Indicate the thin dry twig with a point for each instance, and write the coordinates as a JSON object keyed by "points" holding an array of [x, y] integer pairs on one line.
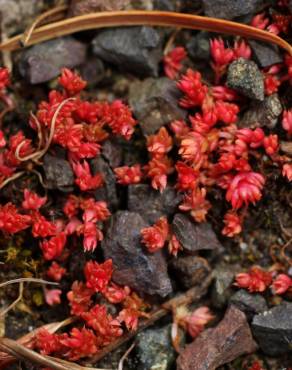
{"points": [[17, 350], [125, 355], [57, 11], [143, 17], [40, 153], [27, 280], [22, 353], [11, 178], [14, 303], [192, 295], [283, 252], [28, 339]]}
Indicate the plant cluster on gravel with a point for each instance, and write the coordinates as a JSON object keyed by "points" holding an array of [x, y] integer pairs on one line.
{"points": [[207, 151]]}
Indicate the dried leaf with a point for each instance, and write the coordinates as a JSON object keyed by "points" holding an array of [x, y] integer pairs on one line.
{"points": [[143, 17]]}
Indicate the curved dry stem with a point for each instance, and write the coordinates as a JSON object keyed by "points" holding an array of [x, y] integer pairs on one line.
{"points": [[41, 180], [40, 153], [39, 129], [27, 280], [11, 178], [40, 19], [143, 17], [13, 304], [125, 355], [53, 124], [22, 353], [283, 252], [24, 159]]}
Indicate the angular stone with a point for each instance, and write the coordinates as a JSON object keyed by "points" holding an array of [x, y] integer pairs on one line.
{"points": [[92, 71], [58, 173], [152, 204], [264, 113], [190, 270], [112, 152], [155, 103], [169, 5], [134, 266], [133, 49], [229, 9], [266, 54], [193, 236], [42, 62], [16, 15], [222, 287], [190, 6], [154, 349], [79, 7], [230, 339], [245, 77], [250, 304], [199, 46], [273, 329], [108, 191]]}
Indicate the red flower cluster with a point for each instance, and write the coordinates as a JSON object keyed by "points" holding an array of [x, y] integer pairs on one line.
{"points": [[4, 79], [223, 56], [193, 322], [215, 152], [93, 213], [100, 328], [11, 221], [160, 165], [55, 271], [256, 366], [173, 62], [258, 280], [128, 175], [281, 284], [155, 237]]}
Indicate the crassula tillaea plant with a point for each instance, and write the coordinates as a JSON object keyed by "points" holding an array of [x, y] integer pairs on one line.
{"points": [[207, 151]]}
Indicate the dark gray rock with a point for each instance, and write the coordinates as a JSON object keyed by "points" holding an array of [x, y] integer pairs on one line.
{"points": [[273, 330], [155, 103], [112, 152], [135, 152], [229, 9], [42, 62], [154, 349], [245, 77], [169, 5], [264, 113], [190, 6], [79, 7], [133, 49], [193, 236], [250, 304], [108, 191], [198, 46], [134, 266], [150, 203], [266, 54], [92, 71], [16, 15], [58, 173], [214, 347], [190, 270], [222, 287]]}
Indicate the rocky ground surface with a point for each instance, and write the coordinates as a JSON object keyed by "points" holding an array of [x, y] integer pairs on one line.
{"points": [[126, 63]]}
